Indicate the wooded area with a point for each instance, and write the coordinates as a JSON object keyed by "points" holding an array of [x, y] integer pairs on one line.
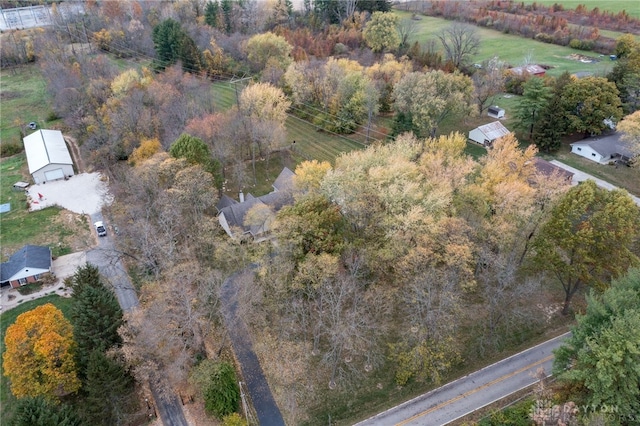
{"points": [[395, 265]]}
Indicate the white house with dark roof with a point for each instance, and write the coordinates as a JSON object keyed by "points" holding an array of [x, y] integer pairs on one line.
{"points": [[232, 214], [47, 156], [603, 149], [25, 266], [486, 134]]}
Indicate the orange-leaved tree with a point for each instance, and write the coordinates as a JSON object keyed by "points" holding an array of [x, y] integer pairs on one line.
{"points": [[39, 356]]}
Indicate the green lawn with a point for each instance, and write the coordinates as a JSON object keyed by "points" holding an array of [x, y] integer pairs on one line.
{"points": [[514, 49], [24, 99], [7, 400]]}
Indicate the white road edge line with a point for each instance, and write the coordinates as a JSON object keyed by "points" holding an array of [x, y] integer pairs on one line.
{"points": [[426, 395]]}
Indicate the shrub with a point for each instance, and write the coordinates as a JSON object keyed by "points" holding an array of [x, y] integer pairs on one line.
{"points": [[543, 37], [219, 386], [581, 44], [7, 149]]}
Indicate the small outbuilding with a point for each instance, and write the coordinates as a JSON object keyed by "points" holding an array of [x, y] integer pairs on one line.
{"points": [[25, 266], [531, 69], [48, 156], [486, 134], [495, 111]]}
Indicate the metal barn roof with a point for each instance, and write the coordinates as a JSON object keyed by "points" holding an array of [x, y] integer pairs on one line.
{"points": [[46, 147]]}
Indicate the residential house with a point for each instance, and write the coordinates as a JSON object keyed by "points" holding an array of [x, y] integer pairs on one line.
{"points": [[25, 266], [48, 156], [603, 149], [488, 133], [548, 169], [233, 214]]}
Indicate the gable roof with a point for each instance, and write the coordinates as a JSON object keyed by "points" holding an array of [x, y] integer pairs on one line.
{"points": [[45, 147], [607, 146], [493, 131], [27, 257], [225, 201], [548, 169], [284, 181], [281, 196]]}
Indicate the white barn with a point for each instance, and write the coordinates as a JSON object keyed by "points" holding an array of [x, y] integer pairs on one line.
{"points": [[486, 134], [47, 156]]}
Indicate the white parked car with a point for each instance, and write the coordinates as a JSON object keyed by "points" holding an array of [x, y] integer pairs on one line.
{"points": [[100, 229]]}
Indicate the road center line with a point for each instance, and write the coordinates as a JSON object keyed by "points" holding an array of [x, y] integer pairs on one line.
{"points": [[471, 392]]}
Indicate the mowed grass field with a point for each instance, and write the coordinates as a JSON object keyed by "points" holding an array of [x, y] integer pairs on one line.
{"points": [[514, 50]]}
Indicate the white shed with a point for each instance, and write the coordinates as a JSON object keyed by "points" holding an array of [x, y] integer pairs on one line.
{"points": [[486, 134], [47, 156], [495, 111]]}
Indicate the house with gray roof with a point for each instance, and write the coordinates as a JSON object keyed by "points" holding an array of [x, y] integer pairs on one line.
{"points": [[25, 266], [233, 215], [47, 156], [603, 149]]}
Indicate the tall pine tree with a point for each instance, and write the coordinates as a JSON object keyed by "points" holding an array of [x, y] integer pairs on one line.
{"points": [[39, 411]]}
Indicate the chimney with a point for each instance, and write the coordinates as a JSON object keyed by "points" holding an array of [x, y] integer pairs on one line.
{"points": [[241, 197]]}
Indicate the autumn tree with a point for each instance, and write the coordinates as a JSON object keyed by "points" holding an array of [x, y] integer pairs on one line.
{"points": [[460, 43], [601, 358], [431, 97], [39, 411], [488, 82], [147, 149], [268, 48], [39, 359], [630, 129], [385, 74], [381, 33], [588, 238], [588, 102], [535, 98]]}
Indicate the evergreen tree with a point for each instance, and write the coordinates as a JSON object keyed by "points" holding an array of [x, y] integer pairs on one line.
{"points": [[95, 314], [373, 6], [227, 10], [107, 391], [39, 411], [167, 37], [211, 13], [535, 99], [552, 124]]}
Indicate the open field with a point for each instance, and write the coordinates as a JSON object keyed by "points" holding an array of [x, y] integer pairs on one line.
{"points": [[630, 6], [514, 49], [24, 99], [7, 400]]}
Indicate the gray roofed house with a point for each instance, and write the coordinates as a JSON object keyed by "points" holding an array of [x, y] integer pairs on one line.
{"points": [[225, 201], [25, 266], [232, 216], [603, 149]]}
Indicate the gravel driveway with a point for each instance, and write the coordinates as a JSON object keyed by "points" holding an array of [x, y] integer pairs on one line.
{"points": [[85, 193]]}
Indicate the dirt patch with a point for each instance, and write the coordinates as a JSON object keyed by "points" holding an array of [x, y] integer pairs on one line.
{"points": [[6, 96], [583, 58]]}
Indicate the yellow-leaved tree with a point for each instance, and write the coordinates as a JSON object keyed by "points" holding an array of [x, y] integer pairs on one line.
{"points": [[39, 359]]}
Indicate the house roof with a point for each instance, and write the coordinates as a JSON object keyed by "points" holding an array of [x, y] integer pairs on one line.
{"points": [[284, 181], [493, 131], [607, 145], [225, 201], [27, 257], [528, 69], [281, 196], [44, 147], [548, 169]]}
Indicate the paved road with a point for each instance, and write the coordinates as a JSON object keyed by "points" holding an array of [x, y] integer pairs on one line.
{"points": [[109, 261], [467, 394], [580, 176], [266, 408]]}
